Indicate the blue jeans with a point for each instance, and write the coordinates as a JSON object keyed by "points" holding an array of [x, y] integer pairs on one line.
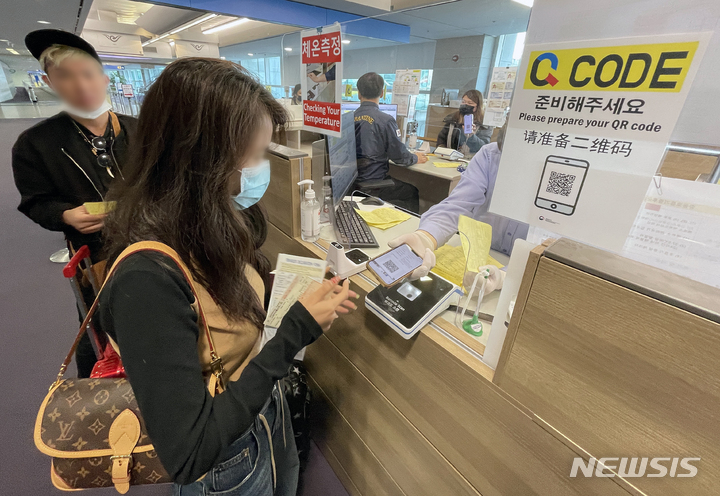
{"points": [[250, 466]]}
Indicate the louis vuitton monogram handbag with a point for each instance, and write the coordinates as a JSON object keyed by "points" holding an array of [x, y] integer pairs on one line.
{"points": [[93, 428]]}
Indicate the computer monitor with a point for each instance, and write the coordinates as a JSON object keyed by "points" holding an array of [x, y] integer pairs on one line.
{"points": [[387, 108], [342, 155]]}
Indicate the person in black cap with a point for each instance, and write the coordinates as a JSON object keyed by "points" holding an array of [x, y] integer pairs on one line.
{"points": [[74, 156]]}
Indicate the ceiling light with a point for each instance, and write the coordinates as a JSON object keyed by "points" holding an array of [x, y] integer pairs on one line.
{"points": [[526, 3], [192, 23], [14, 52], [44, 22], [250, 54], [156, 39], [103, 56], [346, 42], [227, 25], [288, 49]]}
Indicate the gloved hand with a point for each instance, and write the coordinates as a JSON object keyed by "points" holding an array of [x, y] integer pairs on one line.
{"points": [[495, 281], [421, 243]]}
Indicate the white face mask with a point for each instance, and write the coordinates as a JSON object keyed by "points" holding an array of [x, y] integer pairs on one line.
{"points": [[84, 114]]}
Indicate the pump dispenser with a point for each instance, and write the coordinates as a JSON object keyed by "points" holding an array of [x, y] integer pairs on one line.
{"points": [[309, 214]]}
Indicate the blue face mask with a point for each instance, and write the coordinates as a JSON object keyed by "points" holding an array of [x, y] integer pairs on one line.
{"points": [[253, 184]]}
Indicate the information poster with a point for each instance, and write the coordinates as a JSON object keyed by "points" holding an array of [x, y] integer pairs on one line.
{"points": [[589, 124], [321, 62], [498, 98], [678, 229], [407, 82]]}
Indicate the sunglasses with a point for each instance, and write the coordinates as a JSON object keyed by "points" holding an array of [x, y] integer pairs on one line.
{"points": [[100, 144]]}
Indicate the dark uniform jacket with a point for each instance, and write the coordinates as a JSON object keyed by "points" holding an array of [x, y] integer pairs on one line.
{"points": [[377, 139], [55, 170]]}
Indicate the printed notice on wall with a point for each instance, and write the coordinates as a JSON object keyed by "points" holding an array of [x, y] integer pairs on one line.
{"points": [[498, 98], [407, 83], [321, 62], [678, 229], [589, 124]]}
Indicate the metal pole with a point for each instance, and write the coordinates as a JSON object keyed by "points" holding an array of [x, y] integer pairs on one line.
{"points": [[715, 174]]}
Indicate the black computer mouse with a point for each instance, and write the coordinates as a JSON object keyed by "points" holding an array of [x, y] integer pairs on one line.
{"points": [[372, 200]]}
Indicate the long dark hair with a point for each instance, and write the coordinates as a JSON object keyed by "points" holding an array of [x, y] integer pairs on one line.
{"points": [[196, 124], [476, 97]]}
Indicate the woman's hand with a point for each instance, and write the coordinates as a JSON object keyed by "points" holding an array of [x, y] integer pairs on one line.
{"points": [[329, 300]]}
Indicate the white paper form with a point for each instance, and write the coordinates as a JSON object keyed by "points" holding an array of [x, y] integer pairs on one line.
{"points": [[678, 229], [293, 277]]}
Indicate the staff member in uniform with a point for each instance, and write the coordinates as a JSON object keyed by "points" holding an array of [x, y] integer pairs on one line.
{"points": [[471, 197], [452, 134], [377, 139], [74, 156]]}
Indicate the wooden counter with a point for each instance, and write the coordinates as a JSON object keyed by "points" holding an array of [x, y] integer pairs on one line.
{"points": [[422, 416], [604, 357]]}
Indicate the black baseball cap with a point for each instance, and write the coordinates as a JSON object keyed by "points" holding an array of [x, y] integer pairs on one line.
{"points": [[42, 39]]}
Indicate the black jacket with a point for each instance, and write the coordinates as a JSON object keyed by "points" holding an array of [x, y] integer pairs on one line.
{"points": [[377, 139], [55, 170], [475, 141]]}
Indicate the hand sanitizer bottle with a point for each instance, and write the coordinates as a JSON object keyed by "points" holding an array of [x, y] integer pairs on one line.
{"points": [[327, 202], [309, 214]]}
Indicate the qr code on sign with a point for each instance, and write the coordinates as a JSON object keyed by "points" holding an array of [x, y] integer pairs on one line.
{"points": [[560, 184], [390, 266]]}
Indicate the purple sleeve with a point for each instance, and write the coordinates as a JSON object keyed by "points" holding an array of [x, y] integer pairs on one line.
{"points": [[442, 219]]}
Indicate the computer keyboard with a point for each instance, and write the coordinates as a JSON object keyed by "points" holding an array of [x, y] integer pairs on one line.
{"points": [[350, 224]]}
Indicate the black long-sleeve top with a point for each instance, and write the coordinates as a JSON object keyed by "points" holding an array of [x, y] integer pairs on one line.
{"points": [[146, 308]]}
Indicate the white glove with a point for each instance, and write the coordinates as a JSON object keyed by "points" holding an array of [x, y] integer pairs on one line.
{"points": [[495, 281], [421, 243]]}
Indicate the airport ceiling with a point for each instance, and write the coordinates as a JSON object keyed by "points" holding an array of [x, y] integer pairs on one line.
{"points": [[443, 19]]}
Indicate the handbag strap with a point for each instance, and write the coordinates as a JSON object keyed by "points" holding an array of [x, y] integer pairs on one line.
{"points": [[216, 364]]}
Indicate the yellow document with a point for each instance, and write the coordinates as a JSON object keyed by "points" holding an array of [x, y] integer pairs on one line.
{"points": [[383, 218], [476, 241], [446, 165], [97, 208], [450, 263]]}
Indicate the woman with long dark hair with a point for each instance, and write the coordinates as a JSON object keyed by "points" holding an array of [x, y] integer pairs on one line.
{"points": [[453, 136], [197, 173]]}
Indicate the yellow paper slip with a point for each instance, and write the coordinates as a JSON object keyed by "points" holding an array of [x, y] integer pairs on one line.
{"points": [[446, 165], [97, 208], [383, 218], [476, 238], [450, 263]]}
